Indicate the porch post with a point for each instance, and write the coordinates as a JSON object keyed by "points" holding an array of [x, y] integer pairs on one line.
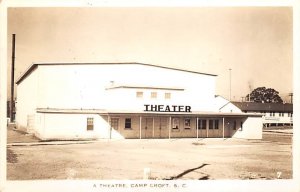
{"points": [[223, 126], [140, 127], [197, 127], [207, 127], [109, 126], [170, 124], [153, 128]]}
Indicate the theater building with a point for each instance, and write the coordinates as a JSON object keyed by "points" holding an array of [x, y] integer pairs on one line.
{"points": [[62, 101]]}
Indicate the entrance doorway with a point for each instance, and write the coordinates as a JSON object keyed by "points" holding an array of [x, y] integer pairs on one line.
{"points": [[147, 128], [161, 127]]}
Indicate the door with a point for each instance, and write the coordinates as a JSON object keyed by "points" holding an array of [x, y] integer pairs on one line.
{"points": [[214, 128], [147, 128], [161, 127], [202, 126]]}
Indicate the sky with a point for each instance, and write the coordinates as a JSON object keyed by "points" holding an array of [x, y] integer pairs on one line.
{"points": [[254, 42]]}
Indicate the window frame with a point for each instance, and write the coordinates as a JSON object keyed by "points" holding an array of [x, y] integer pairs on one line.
{"points": [[234, 125], [187, 123], [153, 95], [175, 123], [202, 124], [139, 94], [211, 124], [128, 123], [216, 124], [90, 123], [167, 95]]}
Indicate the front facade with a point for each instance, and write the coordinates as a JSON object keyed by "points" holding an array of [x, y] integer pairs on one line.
{"points": [[125, 100]]}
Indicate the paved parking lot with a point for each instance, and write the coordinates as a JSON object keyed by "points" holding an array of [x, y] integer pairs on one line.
{"points": [[199, 159]]}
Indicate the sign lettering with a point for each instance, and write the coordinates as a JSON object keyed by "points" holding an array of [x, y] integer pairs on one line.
{"points": [[167, 108]]}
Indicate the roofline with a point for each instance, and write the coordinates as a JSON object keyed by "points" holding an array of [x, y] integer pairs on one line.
{"points": [[284, 109], [143, 113], [145, 87], [34, 65]]}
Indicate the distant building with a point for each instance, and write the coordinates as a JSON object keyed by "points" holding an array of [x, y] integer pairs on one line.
{"points": [[126, 100], [273, 114]]}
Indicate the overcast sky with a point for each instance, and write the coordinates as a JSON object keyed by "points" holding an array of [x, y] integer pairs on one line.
{"points": [[255, 42]]}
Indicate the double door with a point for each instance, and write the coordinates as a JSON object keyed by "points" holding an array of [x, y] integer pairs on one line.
{"points": [[155, 127], [209, 128]]}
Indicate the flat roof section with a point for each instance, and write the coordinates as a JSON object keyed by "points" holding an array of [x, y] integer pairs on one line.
{"points": [[144, 113]]}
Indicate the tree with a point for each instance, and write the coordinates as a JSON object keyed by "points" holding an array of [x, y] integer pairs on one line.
{"points": [[264, 95]]}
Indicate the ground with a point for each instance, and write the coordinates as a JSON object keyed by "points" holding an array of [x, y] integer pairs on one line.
{"points": [[200, 159]]}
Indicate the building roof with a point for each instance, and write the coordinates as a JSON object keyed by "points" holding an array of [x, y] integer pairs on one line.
{"points": [[35, 65], [144, 113], [144, 87], [264, 107]]}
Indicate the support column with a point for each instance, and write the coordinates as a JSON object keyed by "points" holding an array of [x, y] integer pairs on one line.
{"points": [[207, 127], [223, 127], [153, 128], [109, 126], [140, 127], [197, 130], [170, 124]]}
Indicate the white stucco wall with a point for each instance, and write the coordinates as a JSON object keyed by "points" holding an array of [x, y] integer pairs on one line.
{"points": [[84, 86], [251, 129], [27, 99], [72, 126]]}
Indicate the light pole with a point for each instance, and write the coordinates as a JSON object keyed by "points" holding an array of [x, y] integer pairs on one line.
{"points": [[229, 84]]}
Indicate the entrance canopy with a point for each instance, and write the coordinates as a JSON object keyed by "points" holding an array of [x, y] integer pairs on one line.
{"points": [[146, 113]]}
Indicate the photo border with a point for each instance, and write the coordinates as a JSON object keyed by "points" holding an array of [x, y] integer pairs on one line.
{"points": [[209, 185]]}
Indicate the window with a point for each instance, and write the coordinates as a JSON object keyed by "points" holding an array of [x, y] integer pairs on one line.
{"points": [[290, 114], [167, 95], [211, 124], [139, 94], [153, 95], [175, 123], [234, 125], [90, 124], [127, 123], [187, 123], [114, 123], [216, 124], [201, 123]]}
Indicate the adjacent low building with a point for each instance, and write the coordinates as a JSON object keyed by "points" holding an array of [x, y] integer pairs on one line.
{"points": [[126, 100], [273, 114]]}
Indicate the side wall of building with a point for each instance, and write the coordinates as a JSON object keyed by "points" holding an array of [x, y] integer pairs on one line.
{"points": [[63, 126], [249, 128], [27, 99]]}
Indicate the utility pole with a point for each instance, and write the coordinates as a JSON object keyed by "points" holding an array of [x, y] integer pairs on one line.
{"points": [[229, 84], [12, 102]]}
